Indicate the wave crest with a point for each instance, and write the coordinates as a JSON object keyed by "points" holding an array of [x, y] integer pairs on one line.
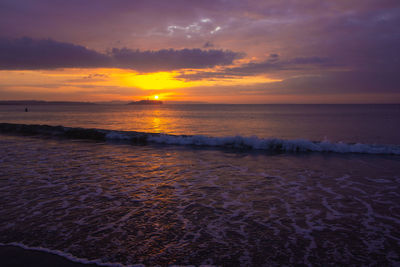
{"points": [[234, 142], [275, 144]]}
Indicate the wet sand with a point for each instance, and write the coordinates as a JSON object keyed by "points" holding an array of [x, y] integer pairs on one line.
{"points": [[11, 256]]}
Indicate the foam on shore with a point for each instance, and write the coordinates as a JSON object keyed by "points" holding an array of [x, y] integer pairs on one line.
{"points": [[65, 255], [231, 142]]}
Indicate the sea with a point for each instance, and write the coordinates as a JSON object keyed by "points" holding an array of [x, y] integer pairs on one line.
{"points": [[204, 184]]}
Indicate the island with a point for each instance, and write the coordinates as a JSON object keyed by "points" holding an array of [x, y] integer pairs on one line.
{"points": [[146, 102]]}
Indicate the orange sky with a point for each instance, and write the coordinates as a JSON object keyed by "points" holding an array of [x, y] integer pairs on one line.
{"points": [[210, 51], [118, 84], [125, 85]]}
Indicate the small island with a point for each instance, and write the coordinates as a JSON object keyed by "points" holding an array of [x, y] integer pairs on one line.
{"points": [[146, 102]]}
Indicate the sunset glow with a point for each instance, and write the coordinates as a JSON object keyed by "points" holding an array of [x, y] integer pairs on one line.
{"points": [[212, 54], [199, 132], [154, 81]]}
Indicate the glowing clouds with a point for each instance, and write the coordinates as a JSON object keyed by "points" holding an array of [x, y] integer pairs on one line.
{"points": [[154, 81]]}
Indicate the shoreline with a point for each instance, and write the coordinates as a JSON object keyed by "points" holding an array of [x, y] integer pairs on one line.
{"points": [[16, 255]]}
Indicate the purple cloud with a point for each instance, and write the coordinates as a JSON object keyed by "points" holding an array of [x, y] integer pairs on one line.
{"points": [[274, 64], [270, 66], [27, 53], [168, 59]]}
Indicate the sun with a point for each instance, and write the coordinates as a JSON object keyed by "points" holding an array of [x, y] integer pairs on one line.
{"points": [[156, 97]]}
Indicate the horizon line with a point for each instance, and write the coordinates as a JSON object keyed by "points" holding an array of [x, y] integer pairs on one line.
{"points": [[171, 102]]}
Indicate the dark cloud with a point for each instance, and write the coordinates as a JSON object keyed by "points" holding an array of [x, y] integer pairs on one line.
{"points": [[270, 66], [276, 56], [168, 59], [27, 53], [208, 44], [273, 64], [337, 82], [94, 77]]}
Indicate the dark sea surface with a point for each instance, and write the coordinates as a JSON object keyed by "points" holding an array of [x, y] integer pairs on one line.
{"points": [[347, 123], [330, 195]]}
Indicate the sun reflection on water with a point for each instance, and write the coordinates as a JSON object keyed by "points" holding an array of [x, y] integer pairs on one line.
{"points": [[158, 121]]}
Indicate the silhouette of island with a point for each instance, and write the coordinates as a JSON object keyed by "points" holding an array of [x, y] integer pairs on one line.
{"points": [[146, 102]]}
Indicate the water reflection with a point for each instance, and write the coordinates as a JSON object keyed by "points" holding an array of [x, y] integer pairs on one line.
{"points": [[148, 119], [156, 124], [159, 122]]}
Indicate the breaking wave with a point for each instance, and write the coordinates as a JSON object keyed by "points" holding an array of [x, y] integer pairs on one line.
{"points": [[232, 142]]}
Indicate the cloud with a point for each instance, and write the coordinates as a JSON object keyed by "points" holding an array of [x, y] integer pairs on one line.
{"points": [[208, 44], [341, 44], [271, 65], [169, 59], [339, 83], [204, 26], [335, 82], [26, 53]]}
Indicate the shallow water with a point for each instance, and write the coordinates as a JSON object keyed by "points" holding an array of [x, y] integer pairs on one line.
{"points": [[183, 205]]}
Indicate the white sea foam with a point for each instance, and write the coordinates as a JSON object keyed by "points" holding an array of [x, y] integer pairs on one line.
{"points": [[256, 143], [113, 135], [274, 144], [235, 142]]}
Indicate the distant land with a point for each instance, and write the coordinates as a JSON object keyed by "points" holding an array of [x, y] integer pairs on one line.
{"points": [[112, 102], [146, 102]]}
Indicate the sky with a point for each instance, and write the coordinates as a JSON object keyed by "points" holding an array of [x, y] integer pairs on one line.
{"points": [[216, 51]]}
